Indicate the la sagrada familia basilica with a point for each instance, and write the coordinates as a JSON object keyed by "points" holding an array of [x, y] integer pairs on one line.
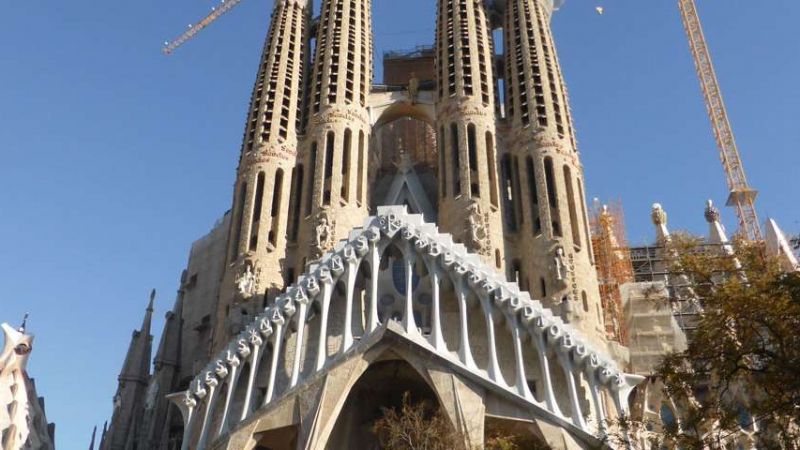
{"points": [[429, 235]]}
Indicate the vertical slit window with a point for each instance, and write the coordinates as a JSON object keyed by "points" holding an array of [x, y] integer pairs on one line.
{"points": [[277, 194], [238, 222], [295, 196], [552, 195], [533, 193], [329, 146], [312, 169], [490, 161], [257, 206], [348, 140], [442, 165], [573, 210], [454, 154], [515, 178], [472, 147], [549, 178], [360, 175], [508, 193], [582, 196]]}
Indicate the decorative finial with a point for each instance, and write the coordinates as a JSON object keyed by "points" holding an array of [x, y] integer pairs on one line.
{"points": [[152, 300], [24, 325], [712, 213], [658, 215]]}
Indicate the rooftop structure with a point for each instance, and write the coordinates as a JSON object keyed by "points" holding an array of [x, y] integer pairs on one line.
{"points": [[23, 423]]}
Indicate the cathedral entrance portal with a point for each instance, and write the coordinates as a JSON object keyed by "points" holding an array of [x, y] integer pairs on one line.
{"points": [[382, 386]]}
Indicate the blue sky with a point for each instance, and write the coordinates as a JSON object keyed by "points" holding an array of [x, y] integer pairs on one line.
{"points": [[115, 157]]}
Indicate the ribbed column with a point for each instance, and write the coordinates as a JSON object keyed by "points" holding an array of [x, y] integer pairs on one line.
{"points": [[543, 183], [469, 206], [335, 155], [261, 203]]}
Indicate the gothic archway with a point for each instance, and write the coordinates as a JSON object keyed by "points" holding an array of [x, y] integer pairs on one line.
{"points": [[383, 385], [404, 161]]}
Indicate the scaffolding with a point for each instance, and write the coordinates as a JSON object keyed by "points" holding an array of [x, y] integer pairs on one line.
{"points": [[613, 262]]}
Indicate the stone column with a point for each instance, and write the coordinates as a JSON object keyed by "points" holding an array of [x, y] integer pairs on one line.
{"points": [[545, 199], [336, 143], [260, 213], [469, 205]]}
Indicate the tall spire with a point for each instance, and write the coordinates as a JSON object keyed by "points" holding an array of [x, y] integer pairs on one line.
{"points": [[132, 387], [469, 205], [94, 436], [544, 197], [716, 231], [148, 315], [23, 327], [257, 248], [165, 376], [338, 132], [778, 246]]}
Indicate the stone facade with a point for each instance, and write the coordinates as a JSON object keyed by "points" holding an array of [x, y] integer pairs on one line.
{"points": [[257, 251], [547, 226], [311, 301], [469, 207]]}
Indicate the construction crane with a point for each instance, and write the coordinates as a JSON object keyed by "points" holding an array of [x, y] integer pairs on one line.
{"points": [[742, 196], [216, 13]]}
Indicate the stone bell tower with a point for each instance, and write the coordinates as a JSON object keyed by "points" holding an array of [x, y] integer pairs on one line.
{"points": [[338, 130], [257, 249], [548, 232], [469, 205]]}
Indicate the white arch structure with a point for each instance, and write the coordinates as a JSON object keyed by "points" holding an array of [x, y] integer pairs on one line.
{"points": [[208, 406]]}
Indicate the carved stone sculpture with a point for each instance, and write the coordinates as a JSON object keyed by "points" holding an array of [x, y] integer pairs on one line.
{"points": [[477, 230], [247, 283], [324, 234], [562, 268]]}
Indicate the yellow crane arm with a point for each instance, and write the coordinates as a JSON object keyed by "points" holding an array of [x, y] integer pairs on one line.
{"points": [[742, 197], [215, 14]]}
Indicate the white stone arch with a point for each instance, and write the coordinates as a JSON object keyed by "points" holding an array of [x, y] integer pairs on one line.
{"points": [[387, 107], [559, 346]]}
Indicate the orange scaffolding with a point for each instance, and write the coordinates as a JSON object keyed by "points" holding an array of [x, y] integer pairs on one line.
{"points": [[613, 263]]}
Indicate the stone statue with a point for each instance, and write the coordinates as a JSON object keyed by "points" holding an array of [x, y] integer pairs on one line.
{"points": [[324, 233], [562, 269], [413, 87], [246, 283], [477, 230]]}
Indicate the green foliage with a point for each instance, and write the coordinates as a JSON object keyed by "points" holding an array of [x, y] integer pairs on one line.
{"points": [[419, 426], [499, 441], [742, 367], [423, 426]]}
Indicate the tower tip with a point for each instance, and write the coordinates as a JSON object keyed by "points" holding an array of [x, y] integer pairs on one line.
{"points": [[24, 326], [712, 213], [658, 215]]}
